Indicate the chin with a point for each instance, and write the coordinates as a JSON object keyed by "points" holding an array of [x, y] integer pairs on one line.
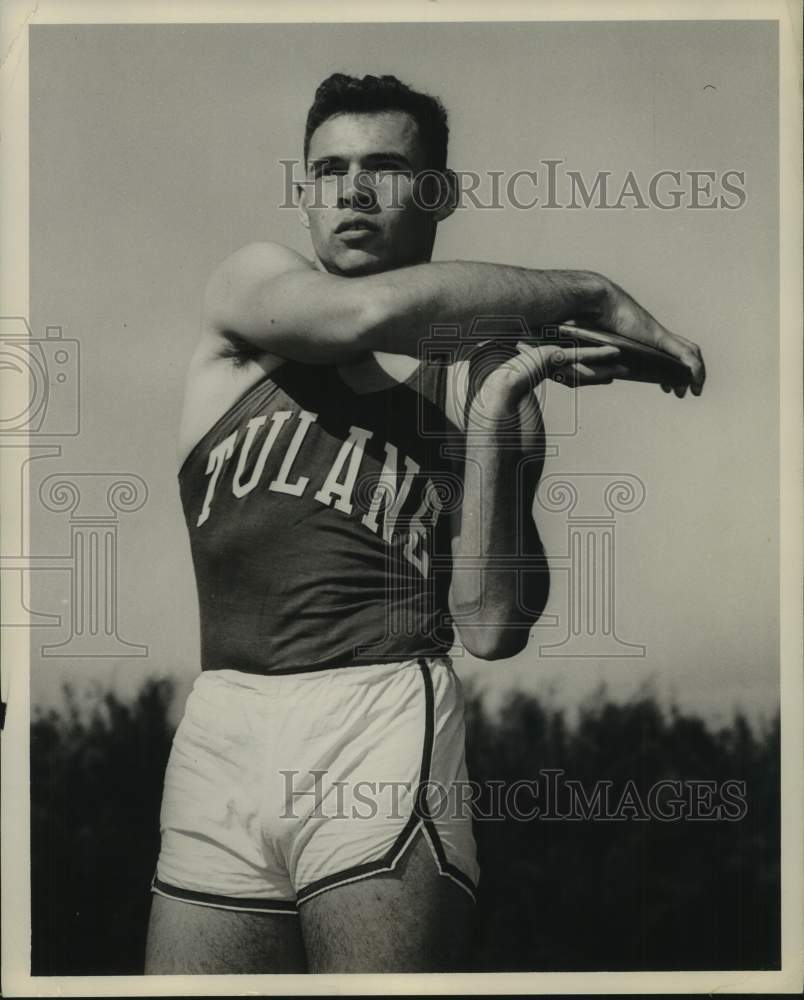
{"points": [[357, 264]]}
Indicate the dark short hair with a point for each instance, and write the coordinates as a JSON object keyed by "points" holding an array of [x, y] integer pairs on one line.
{"points": [[340, 94]]}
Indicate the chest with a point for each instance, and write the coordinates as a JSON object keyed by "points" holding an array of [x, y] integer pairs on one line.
{"points": [[373, 464]]}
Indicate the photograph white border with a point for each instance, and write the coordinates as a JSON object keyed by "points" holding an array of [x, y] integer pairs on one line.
{"points": [[16, 18]]}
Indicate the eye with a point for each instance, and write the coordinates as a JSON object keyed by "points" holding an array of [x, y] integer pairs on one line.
{"points": [[392, 168], [329, 170], [387, 167]]}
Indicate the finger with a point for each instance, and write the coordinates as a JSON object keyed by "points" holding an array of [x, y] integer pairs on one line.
{"points": [[562, 355], [593, 354], [578, 375], [546, 362], [693, 360], [680, 391], [584, 375], [698, 382], [689, 354], [560, 358], [666, 388], [599, 374], [565, 365], [531, 360]]}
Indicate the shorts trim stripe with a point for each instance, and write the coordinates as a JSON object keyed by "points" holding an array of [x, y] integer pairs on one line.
{"points": [[444, 867], [285, 906], [418, 819], [422, 809], [360, 872]]}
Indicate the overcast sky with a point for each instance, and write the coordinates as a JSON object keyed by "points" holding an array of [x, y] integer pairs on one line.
{"points": [[155, 152]]}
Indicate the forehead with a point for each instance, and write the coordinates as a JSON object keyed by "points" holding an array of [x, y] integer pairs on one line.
{"points": [[355, 134]]}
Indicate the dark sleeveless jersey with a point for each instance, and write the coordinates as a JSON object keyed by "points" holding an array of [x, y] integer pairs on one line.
{"points": [[319, 523]]}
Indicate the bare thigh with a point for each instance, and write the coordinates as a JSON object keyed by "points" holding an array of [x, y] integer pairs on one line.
{"points": [[409, 920], [186, 938]]}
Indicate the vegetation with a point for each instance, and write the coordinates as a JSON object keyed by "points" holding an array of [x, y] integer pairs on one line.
{"points": [[556, 895]]}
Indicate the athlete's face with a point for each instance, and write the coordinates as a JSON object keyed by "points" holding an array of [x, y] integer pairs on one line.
{"points": [[361, 203]]}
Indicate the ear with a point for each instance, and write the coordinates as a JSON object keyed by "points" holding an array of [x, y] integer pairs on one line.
{"points": [[449, 202], [301, 205]]}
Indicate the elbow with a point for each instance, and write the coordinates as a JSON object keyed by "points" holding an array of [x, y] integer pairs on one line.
{"points": [[373, 312], [352, 327], [487, 643], [505, 633], [497, 629], [499, 637]]}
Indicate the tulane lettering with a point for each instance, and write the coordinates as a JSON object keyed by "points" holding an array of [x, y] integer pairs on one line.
{"points": [[277, 422], [352, 451], [281, 484], [386, 494], [337, 489], [217, 457], [415, 551]]}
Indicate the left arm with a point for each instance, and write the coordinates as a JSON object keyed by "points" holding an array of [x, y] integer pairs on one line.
{"points": [[494, 599], [500, 578]]}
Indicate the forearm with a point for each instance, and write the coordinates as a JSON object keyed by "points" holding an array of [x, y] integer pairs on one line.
{"points": [[500, 576], [409, 301]]}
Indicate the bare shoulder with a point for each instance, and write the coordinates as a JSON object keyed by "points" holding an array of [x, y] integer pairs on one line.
{"points": [[232, 286], [225, 364], [254, 261], [235, 280]]}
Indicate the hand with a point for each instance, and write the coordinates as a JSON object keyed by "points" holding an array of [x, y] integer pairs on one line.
{"points": [[621, 314], [504, 387]]}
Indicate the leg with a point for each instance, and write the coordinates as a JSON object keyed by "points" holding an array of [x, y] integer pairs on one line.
{"points": [[186, 938], [212, 852], [408, 920]]}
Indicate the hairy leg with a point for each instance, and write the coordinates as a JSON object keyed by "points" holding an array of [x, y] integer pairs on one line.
{"points": [[409, 920], [186, 938]]}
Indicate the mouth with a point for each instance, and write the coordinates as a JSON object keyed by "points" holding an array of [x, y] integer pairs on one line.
{"points": [[355, 227]]}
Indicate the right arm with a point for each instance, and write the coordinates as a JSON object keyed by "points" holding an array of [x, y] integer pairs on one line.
{"points": [[276, 301]]}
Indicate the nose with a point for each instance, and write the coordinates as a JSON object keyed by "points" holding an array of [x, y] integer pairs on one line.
{"points": [[356, 191]]}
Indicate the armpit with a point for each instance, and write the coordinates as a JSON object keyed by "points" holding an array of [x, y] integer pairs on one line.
{"points": [[237, 349]]}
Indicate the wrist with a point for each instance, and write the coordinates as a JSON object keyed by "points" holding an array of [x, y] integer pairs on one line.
{"points": [[492, 412], [597, 296]]}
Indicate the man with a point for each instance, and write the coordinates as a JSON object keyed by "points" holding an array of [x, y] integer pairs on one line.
{"points": [[335, 539]]}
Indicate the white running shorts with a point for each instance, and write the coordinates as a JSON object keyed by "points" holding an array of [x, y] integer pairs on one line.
{"points": [[280, 787]]}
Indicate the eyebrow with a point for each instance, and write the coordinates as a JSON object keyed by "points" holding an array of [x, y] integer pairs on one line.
{"points": [[380, 157]]}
